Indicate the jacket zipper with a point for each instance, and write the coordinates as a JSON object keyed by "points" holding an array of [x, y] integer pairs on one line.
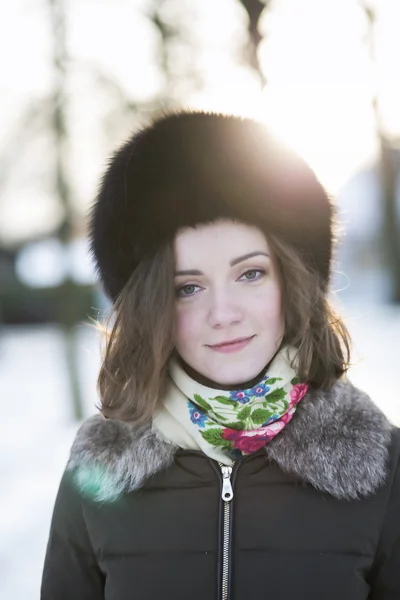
{"points": [[227, 495]]}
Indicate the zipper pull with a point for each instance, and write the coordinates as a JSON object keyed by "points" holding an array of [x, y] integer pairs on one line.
{"points": [[227, 491]]}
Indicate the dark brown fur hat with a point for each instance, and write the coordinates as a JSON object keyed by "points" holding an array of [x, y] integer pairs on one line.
{"points": [[187, 168]]}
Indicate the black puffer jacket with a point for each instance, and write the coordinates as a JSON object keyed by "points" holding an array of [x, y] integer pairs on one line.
{"points": [[315, 515]]}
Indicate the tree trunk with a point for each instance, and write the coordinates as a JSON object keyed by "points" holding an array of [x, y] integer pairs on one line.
{"points": [[68, 299], [388, 170], [254, 10]]}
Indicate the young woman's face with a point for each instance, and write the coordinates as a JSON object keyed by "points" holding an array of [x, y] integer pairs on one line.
{"points": [[227, 289]]}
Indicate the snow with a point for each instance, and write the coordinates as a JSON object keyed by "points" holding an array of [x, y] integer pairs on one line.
{"points": [[37, 429], [37, 425]]}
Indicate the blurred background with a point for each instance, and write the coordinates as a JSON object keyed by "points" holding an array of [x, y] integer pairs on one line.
{"points": [[76, 76]]}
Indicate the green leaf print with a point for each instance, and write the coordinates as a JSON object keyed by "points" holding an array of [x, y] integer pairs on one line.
{"points": [[244, 413], [227, 401], [295, 381], [214, 437], [273, 380], [218, 416], [259, 416], [201, 402], [278, 394], [238, 425]]}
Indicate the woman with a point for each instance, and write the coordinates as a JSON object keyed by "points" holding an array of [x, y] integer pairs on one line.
{"points": [[232, 458]]}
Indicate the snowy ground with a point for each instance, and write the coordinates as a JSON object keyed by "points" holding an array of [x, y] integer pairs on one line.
{"points": [[37, 427]]}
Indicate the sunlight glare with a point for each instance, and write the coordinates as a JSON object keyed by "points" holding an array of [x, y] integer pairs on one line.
{"points": [[318, 96]]}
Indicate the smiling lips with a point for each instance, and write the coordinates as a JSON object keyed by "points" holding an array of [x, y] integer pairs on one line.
{"points": [[233, 346]]}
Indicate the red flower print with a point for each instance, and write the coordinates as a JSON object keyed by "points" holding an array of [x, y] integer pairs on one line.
{"points": [[298, 392], [247, 441]]}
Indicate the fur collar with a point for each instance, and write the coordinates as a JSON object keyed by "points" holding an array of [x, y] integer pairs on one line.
{"points": [[337, 441]]}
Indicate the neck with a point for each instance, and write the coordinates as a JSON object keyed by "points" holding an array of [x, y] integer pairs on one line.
{"points": [[219, 386]]}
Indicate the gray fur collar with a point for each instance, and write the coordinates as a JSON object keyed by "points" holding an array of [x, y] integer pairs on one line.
{"points": [[337, 441]]}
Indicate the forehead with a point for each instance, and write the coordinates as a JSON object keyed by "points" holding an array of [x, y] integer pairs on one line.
{"points": [[220, 240]]}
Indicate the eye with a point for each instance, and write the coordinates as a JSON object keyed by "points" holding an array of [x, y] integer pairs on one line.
{"points": [[253, 274], [186, 290]]}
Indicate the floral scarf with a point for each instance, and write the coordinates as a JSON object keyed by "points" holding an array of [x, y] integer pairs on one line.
{"points": [[228, 424]]}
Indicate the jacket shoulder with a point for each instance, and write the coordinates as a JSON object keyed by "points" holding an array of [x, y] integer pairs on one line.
{"points": [[394, 452], [385, 578], [109, 457], [339, 441]]}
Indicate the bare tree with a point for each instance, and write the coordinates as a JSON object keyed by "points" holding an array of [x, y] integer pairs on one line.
{"points": [[254, 10], [68, 292], [389, 153]]}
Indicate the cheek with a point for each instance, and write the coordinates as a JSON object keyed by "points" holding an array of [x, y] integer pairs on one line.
{"points": [[267, 308], [187, 326]]}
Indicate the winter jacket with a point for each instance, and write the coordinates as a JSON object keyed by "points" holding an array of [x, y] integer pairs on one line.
{"points": [[315, 515]]}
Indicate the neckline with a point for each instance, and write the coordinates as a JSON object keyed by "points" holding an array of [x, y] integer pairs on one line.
{"points": [[199, 379]]}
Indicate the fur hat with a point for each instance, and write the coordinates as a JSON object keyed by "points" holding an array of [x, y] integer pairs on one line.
{"points": [[187, 168]]}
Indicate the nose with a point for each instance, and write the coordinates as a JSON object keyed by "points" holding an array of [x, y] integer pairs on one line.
{"points": [[224, 310]]}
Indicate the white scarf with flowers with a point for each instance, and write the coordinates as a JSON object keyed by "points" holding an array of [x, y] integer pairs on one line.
{"points": [[228, 424]]}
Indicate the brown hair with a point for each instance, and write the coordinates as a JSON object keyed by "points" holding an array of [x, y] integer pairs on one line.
{"points": [[311, 323], [140, 341], [132, 377]]}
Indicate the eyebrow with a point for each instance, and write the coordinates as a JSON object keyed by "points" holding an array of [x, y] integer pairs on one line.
{"points": [[232, 263]]}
